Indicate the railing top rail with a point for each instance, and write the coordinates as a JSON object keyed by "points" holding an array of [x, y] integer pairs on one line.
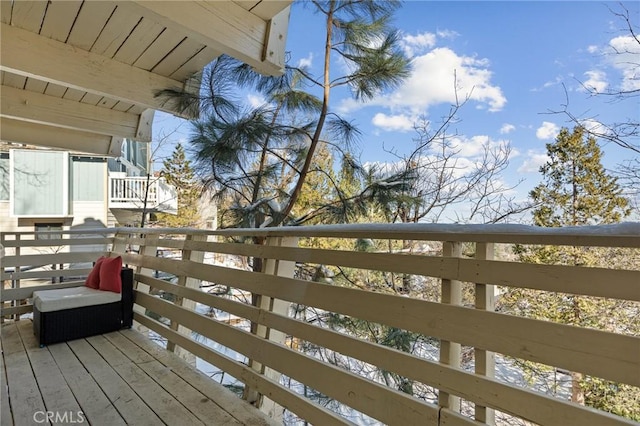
{"points": [[618, 235]]}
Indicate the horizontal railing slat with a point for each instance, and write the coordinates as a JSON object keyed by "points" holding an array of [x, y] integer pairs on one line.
{"points": [[614, 358], [57, 242], [616, 235], [282, 395], [598, 282], [27, 292], [384, 404], [520, 402], [22, 309], [52, 258], [49, 273]]}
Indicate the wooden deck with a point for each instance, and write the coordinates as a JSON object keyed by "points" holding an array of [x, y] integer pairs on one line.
{"points": [[115, 379]]}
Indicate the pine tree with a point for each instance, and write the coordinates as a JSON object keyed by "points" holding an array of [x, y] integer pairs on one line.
{"points": [[177, 172], [575, 190], [260, 157]]}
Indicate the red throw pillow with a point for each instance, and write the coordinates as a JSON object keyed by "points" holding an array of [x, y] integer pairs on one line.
{"points": [[93, 280], [110, 279]]}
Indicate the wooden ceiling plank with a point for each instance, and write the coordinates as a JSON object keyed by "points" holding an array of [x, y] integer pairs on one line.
{"points": [[135, 109], [14, 80], [59, 19], [91, 98], [91, 20], [223, 26], [116, 31], [5, 11], [246, 4], [55, 90], [28, 14], [165, 42], [56, 137], [122, 106], [267, 9], [73, 94], [34, 85], [38, 108], [107, 102], [81, 70], [195, 64], [174, 60], [139, 40]]}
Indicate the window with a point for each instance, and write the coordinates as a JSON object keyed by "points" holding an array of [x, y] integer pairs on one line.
{"points": [[88, 177], [4, 176], [41, 227], [39, 186]]}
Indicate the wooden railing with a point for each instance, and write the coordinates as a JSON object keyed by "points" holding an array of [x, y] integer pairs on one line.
{"points": [[280, 348]]}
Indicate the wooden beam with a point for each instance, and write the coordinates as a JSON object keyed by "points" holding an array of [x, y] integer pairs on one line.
{"points": [[58, 137], [225, 27], [30, 55], [145, 121], [42, 109]]}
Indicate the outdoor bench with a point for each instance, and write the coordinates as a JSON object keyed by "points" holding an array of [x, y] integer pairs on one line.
{"points": [[76, 312]]}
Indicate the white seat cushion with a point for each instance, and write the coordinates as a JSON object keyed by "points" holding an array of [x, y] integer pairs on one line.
{"points": [[72, 297]]}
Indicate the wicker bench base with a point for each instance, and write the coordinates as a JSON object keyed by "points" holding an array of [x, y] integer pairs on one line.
{"points": [[69, 324]]}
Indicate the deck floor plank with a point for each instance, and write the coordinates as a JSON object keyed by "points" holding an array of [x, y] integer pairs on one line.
{"points": [[57, 396], [200, 405], [116, 379], [24, 388], [94, 403], [242, 411], [160, 401], [130, 406], [5, 409]]}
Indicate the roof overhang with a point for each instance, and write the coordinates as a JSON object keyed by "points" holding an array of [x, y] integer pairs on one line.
{"points": [[83, 75]]}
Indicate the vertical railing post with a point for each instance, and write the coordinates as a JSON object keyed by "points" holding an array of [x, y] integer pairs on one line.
{"points": [[450, 351], [3, 304], [485, 361], [282, 269], [148, 247], [17, 269], [185, 281]]}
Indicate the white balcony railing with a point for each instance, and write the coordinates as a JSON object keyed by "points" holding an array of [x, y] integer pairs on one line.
{"points": [[129, 193]]}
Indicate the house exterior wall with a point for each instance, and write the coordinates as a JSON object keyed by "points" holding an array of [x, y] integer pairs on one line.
{"points": [[49, 180]]}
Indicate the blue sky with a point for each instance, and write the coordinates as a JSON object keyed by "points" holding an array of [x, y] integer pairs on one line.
{"points": [[514, 58]]}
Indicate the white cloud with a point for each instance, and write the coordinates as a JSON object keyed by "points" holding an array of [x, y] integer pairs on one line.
{"points": [[592, 125], [256, 101], [533, 162], [592, 49], [434, 80], [469, 147], [507, 128], [400, 122], [558, 80], [597, 81], [624, 56], [547, 131], [413, 44], [450, 34], [306, 62]]}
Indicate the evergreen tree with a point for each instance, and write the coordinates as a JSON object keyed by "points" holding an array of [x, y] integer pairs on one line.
{"points": [[576, 190], [177, 172], [260, 157]]}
